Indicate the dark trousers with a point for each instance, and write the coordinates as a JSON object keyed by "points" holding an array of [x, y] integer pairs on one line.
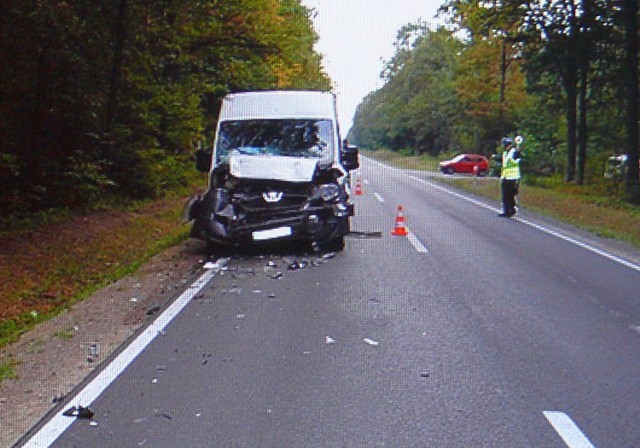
{"points": [[509, 190]]}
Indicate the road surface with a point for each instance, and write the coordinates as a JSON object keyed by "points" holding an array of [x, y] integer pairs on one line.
{"points": [[473, 331]]}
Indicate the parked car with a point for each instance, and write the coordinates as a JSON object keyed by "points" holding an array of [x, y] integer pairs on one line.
{"points": [[466, 163]]}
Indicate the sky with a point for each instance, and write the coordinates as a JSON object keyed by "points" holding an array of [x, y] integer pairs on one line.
{"points": [[355, 37]]}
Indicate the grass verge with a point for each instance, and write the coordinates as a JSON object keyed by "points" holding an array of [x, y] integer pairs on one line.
{"points": [[45, 270]]}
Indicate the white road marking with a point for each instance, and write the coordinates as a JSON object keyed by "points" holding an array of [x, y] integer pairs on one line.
{"points": [[379, 198], [415, 242], [539, 227], [567, 429], [59, 423]]}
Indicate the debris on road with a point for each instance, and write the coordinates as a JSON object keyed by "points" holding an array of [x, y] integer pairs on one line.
{"points": [[154, 309], [329, 340], [79, 412], [424, 374], [371, 342], [93, 352]]}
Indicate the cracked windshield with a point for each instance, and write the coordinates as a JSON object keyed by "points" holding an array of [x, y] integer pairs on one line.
{"points": [[293, 138]]}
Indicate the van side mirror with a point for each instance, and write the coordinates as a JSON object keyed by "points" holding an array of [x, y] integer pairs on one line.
{"points": [[203, 160], [349, 157]]}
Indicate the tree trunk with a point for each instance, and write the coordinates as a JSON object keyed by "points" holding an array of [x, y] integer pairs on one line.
{"points": [[116, 66], [630, 17], [503, 81], [572, 94], [582, 123]]}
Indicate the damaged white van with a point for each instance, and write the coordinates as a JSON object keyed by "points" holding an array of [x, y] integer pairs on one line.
{"points": [[277, 172]]}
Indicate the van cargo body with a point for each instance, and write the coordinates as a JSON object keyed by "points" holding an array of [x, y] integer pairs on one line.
{"points": [[277, 172]]}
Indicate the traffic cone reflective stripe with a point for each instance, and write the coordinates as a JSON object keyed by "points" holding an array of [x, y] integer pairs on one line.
{"points": [[400, 229], [359, 187]]}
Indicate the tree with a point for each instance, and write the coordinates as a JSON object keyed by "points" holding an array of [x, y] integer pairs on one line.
{"points": [[417, 107], [105, 98], [629, 14]]}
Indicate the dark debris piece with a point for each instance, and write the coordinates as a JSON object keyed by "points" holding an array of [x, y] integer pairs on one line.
{"points": [[153, 310], [79, 412]]}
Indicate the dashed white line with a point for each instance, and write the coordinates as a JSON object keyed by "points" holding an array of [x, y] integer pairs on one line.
{"points": [[572, 436], [415, 242], [59, 423], [590, 248], [379, 198]]}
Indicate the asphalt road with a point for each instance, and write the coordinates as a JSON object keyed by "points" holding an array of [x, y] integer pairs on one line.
{"points": [[475, 331]]}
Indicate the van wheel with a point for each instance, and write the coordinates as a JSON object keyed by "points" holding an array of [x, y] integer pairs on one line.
{"points": [[334, 245]]}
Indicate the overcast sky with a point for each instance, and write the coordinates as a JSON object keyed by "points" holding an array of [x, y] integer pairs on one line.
{"points": [[355, 37]]}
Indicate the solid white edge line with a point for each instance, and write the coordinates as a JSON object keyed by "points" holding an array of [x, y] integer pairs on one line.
{"points": [[58, 424], [539, 227], [572, 436]]}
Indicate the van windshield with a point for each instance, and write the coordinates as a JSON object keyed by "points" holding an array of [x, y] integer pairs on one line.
{"points": [[282, 137]]}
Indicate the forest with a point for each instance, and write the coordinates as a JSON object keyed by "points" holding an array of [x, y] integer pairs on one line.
{"points": [[103, 101], [561, 73]]}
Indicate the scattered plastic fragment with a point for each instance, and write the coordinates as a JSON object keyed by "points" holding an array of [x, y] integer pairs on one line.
{"points": [[93, 423], [328, 255], [133, 299], [241, 316], [371, 342], [79, 412], [154, 381], [271, 296], [424, 374], [277, 275], [294, 266], [93, 352], [329, 340], [164, 415]]}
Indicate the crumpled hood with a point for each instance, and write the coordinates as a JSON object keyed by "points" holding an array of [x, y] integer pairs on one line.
{"points": [[288, 169]]}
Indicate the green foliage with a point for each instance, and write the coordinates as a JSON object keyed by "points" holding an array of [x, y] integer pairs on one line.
{"points": [[417, 107], [553, 71], [7, 370], [108, 98]]}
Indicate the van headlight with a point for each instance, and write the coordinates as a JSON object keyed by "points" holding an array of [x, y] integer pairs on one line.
{"points": [[329, 192]]}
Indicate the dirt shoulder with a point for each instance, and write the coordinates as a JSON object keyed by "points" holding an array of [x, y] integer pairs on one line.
{"points": [[54, 357]]}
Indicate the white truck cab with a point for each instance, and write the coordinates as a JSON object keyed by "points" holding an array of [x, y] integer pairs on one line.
{"points": [[277, 172]]}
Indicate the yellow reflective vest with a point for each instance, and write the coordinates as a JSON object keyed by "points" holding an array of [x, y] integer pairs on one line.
{"points": [[510, 165]]}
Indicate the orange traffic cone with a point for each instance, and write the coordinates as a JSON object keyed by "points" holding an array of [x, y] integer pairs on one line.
{"points": [[400, 229], [359, 187]]}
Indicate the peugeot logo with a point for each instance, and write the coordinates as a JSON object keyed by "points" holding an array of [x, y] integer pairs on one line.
{"points": [[272, 196]]}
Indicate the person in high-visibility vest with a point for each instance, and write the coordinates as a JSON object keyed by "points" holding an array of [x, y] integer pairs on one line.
{"points": [[510, 176]]}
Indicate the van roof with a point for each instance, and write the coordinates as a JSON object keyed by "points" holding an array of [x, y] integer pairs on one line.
{"points": [[278, 104]]}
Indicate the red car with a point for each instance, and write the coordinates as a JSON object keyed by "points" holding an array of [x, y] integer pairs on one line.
{"points": [[466, 163]]}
